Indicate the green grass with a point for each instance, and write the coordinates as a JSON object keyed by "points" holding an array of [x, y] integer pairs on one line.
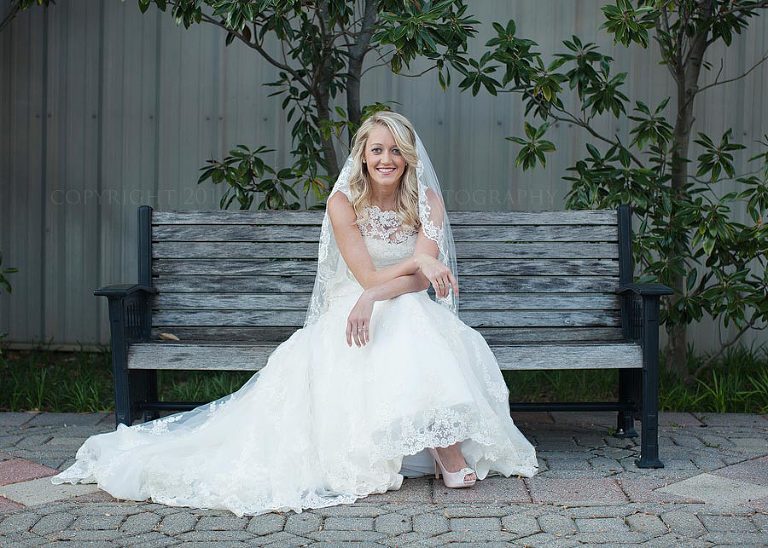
{"points": [[737, 383], [43, 380]]}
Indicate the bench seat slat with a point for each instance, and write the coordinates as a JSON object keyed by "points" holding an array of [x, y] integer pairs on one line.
{"points": [[512, 318], [467, 284], [250, 357], [599, 217], [299, 301]]}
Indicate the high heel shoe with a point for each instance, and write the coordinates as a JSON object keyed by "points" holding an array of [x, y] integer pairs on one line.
{"points": [[454, 480]]}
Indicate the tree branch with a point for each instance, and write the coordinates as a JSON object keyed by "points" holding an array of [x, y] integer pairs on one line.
{"points": [[584, 124], [13, 10], [377, 65], [255, 45], [740, 9], [356, 57], [423, 72], [682, 23], [579, 122], [716, 83], [707, 7]]}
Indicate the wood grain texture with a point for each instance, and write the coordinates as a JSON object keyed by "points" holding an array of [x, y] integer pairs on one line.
{"points": [[308, 267], [473, 318], [308, 250], [457, 218], [251, 357], [300, 301], [301, 284], [311, 234], [493, 335]]}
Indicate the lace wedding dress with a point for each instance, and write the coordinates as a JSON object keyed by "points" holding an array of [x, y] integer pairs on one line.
{"points": [[324, 423]]}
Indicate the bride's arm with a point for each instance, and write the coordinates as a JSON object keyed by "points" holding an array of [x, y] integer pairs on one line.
{"points": [[409, 283], [399, 286], [355, 253]]}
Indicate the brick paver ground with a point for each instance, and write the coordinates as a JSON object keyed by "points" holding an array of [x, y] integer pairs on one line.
{"points": [[712, 492]]}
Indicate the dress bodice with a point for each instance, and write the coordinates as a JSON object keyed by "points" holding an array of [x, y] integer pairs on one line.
{"points": [[388, 240]]}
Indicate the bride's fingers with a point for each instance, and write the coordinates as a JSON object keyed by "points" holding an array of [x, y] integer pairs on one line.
{"points": [[438, 284], [438, 291], [354, 335], [444, 287], [360, 335], [454, 284], [349, 334]]}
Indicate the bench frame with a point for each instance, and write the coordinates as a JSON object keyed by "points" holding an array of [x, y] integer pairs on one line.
{"points": [[130, 316]]}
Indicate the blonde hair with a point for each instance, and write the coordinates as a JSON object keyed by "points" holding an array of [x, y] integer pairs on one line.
{"points": [[407, 198]]}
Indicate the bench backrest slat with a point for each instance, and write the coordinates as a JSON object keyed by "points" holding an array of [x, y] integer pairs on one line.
{"points": [[493, 335]]}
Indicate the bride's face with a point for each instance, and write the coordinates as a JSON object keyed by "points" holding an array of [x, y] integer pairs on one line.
{"points": [[382, 157]]}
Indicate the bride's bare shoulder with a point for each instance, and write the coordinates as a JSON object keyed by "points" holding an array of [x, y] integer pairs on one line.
{"points": [[340, 210]]}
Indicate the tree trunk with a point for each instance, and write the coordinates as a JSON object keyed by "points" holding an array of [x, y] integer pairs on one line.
{"points": [[329, 153], [687, 79], [676, 354], [355, 66], [322, 96]]}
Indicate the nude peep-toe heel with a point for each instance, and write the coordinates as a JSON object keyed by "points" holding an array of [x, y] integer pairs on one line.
{"points": [[454, 480]]}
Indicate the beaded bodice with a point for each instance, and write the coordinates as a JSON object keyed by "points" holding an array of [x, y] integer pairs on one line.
{"points": [[387, 239]]}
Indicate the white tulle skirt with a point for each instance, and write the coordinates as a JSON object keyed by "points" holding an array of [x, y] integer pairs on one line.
{"points": [[324, 423]]}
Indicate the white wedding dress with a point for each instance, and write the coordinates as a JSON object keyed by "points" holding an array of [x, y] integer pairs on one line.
{"points": [[324, 423]]}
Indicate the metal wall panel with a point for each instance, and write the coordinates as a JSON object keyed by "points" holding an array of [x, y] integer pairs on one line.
{"points": [[103, 108], [22, 175]]}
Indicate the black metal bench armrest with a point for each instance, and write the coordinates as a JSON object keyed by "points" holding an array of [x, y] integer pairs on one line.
{"points": [[640, 310], [130, 313], [645, 289], [123, 290]]}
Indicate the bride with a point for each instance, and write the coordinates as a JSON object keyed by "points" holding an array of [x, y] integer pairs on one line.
{"points": [[381, 383]]}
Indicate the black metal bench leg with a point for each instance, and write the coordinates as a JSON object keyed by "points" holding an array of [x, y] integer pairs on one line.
{"points": [[123, 393], [123, 407], [150, 391], [649, 441], [625, 424]]}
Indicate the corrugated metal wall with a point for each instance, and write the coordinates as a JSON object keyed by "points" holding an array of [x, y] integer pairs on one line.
{"points": [[103, 109]]}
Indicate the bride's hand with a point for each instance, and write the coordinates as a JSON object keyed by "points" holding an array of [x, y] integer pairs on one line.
{"points": [[437, 273], [359, 321]]}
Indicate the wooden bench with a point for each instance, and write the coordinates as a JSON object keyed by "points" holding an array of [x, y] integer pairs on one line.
{"points": [[548, 290]]}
